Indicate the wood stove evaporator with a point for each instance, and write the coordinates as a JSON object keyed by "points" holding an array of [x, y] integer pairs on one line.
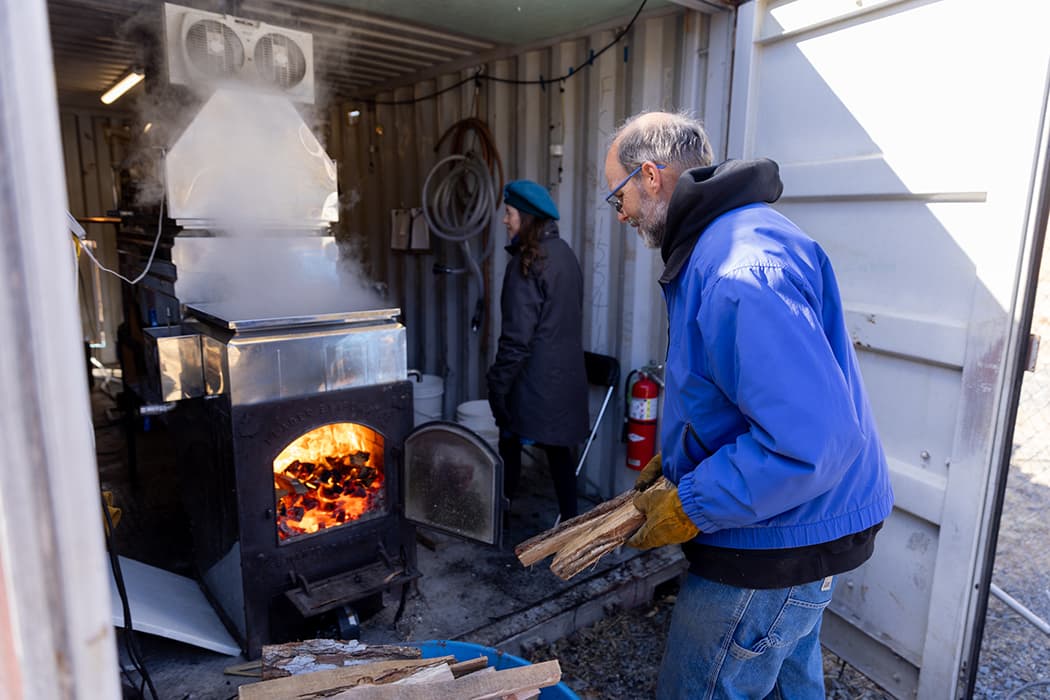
{"points": [[304, 478], [287, 388]]}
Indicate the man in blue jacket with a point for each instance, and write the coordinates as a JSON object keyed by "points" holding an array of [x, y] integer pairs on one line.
{"points": [[766, 432]]}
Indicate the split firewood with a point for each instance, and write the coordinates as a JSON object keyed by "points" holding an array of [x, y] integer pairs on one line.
{"points": [[324, 684], [431, 674], [524, 695], [475, 686], [294, 658], [580, 542]]}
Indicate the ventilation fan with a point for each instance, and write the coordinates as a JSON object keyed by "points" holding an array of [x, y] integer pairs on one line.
{"points": [[206, 48], [212, 49]]}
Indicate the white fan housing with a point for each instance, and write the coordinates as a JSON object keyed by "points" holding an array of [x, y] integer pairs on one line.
{"points": [[207, 48]]}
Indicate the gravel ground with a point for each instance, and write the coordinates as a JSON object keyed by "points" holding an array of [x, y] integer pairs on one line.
{"points": [[619, 656]]}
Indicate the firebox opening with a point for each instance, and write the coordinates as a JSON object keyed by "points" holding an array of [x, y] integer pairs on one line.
{"points": [[329, 477]]}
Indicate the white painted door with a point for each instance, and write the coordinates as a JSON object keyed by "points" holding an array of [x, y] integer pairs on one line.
{"points": [[909, 134]]}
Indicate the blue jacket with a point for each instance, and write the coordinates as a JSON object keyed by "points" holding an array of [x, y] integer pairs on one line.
{"points": [[766, 428]]}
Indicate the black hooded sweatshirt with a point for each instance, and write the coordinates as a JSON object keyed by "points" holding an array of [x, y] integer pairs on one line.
{"points": [[701, 196], [704, 194]]}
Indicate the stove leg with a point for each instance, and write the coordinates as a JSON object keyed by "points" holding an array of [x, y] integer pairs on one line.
{"points": [[404, 598]]}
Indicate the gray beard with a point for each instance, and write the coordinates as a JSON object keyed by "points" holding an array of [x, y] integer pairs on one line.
{"points": [[653, 222]]}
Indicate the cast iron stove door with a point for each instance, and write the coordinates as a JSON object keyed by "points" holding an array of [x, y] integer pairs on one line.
{"points": [[453, 482]]}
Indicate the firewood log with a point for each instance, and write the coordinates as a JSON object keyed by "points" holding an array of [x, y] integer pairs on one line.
{"points": [[323, 684], [580, 542], [474, 686], [294, 658]]}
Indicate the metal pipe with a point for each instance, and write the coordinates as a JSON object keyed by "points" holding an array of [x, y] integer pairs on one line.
{"points": [[1021, 610]]}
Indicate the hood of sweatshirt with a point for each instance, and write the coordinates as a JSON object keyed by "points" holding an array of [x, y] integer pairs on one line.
{"points": [[704, 194]]}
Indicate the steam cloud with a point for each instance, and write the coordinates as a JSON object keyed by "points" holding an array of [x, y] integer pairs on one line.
{"points": [[247, 163]]}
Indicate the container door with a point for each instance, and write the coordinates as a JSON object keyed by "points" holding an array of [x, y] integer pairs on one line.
{"points": [[453, 482], [910, 134]]}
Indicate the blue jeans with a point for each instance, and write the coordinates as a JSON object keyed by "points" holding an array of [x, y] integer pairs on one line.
{"points": [[730, 643]]}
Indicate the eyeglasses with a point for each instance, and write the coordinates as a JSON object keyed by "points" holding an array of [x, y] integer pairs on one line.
{"points": [[614, 199]]}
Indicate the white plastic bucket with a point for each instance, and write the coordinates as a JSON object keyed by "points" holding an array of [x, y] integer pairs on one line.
{"points": [[477, 415], [427, 398]]}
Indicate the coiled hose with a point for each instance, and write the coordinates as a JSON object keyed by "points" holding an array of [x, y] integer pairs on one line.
{"points": [[458, 206]]}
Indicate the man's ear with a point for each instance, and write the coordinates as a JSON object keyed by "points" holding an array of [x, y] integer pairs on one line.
{"points": [[652, 178]]}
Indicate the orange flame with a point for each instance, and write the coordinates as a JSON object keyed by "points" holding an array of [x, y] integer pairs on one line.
{"points": [[328, 477]]}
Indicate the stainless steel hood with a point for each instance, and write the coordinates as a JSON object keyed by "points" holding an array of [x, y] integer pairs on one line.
{"points": [[248, 162]]}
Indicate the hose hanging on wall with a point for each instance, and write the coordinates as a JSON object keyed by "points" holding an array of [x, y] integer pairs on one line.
{"points": [[458, 205]]}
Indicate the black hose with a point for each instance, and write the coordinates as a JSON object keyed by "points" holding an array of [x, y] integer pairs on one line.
{"points": [[130, 641], [627, 403]]}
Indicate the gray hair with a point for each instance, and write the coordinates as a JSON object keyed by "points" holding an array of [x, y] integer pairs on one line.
{"points": [[673, 139]]}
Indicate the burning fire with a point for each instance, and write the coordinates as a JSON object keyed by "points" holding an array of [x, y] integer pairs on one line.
{"points": [[328, 477]]}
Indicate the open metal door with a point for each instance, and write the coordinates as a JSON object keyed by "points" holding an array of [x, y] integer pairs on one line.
{"points": [[454, 482], [910, 134]]}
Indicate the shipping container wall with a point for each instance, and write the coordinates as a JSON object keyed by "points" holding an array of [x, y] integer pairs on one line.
{"points": [[93, 147], [556, 134]]}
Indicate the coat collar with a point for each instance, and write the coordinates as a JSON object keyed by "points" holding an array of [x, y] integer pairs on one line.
{"points": [[549, 231]]}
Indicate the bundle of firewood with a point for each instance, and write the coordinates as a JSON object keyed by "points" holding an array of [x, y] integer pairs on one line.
{"points": [[580, 542], [322, 668]]}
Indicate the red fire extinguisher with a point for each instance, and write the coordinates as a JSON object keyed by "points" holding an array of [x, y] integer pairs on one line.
{"points": [[641, 422]]}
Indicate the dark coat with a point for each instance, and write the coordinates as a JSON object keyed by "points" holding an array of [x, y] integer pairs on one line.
{"points": [[538, 383]]}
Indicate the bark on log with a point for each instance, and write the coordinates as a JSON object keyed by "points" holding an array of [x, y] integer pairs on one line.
{"points": [[580, 542], [470, 666], [294, 658]]}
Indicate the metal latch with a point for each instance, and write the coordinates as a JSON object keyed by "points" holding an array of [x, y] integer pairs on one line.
{"points": [[1033, 353]]}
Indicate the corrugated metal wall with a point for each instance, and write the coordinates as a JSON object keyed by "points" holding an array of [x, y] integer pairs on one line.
{"points": [[93, 145], [386, 155]]}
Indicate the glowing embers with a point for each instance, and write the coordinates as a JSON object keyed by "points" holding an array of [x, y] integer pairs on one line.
{"points": [[329, 477]]}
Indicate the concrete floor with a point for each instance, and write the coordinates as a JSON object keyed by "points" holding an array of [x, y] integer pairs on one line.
{"points": [[467, 592]]}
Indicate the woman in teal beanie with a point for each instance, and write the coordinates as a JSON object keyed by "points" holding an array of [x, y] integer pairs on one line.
{"points": [[538, 384]]}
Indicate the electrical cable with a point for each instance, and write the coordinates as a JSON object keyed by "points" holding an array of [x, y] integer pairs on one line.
{"points": [[152, 253], [512, 81], [130, 642]]}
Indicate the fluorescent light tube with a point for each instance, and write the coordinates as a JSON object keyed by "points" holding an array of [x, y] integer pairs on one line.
{"points": [[126, 83]]}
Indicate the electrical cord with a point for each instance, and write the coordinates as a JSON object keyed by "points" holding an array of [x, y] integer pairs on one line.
{"points": [[130, 641], [76, 227], [543, 82]]}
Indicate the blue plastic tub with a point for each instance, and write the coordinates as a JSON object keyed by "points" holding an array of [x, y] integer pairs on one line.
{"points": [[465, 651]]}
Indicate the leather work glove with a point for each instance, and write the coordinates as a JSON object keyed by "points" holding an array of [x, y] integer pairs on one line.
{"points": [[648, 476], [665, 521]]}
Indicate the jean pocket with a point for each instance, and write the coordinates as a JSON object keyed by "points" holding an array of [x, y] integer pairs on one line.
{"points": [[796, 617]]}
